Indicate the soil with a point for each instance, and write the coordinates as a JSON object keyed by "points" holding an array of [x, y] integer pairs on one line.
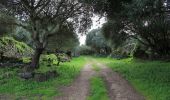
{"points": [[118, 88], [79, 89]]}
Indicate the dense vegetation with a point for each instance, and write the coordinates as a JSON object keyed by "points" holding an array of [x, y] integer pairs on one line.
{"points": [[145, 22], [39, 42]]}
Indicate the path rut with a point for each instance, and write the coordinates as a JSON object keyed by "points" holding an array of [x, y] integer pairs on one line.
{"points": [[79, 89], [118, 87]]}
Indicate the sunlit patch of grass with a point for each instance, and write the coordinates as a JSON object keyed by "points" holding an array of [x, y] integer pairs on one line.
{"points": [[151, 78], [30, 89], [97, 89]]}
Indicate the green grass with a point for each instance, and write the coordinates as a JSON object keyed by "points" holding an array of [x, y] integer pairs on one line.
{"points": [[96, 68], [150, 78], [98, 90], [12, 85]]}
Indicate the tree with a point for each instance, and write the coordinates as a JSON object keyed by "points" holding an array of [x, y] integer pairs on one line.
{"points": [[96, 41], [85, 50], [113, 32], [5, 28], [60, 42], [22, 35], [44, 18], [148, 23], [113, 10]]}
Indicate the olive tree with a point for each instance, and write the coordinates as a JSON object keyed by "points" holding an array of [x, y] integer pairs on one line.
{"points": [[96, 41], [65, 39], [148, 23], [44, 18]]}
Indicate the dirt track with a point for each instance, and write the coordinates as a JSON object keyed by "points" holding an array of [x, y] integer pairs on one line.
{"points": [[79, 89], [118, 88]]}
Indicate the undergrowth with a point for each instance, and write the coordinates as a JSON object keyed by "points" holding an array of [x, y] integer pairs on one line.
{"points": [[17, 88]]}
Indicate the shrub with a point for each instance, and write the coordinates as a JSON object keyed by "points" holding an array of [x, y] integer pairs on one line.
{"points": [[13, 48]]}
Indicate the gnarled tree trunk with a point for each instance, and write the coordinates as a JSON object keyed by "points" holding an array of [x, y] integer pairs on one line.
{"points": [[36, 57], [2, 56]]}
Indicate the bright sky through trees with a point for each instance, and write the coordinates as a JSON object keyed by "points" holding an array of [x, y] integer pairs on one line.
{"points": [[97, 23]]}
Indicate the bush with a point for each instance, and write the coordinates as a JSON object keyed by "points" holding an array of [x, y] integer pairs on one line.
{"points": [[85, 50], [120, 54], [12, 48], [140, 53], [49, 59]]}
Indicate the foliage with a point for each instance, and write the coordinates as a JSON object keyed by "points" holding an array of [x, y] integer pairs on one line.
{"points": [[50, 59], [151, 78], [12, 48], [30, 89], [96, 41], [127, 49], [43, 19], [22, 35], [85, 50], [65, 39], [149, 24], [147, 21], [98, 90], [140, 52], [26, 59], [111, 8], [112, 31], [4, 26]]}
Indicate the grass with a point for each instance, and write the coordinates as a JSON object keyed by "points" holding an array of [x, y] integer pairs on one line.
{"points": [[98, 90], [151, 78], [96, 68], [12, 85]]}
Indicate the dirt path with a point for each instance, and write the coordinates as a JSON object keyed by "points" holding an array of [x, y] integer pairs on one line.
{"points": [[79, 89], [118, 88]]}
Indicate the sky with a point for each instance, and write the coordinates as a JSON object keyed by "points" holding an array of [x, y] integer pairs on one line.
{"points": [[96, 24]]}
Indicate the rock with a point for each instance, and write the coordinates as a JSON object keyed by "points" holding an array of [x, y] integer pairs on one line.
{"points": [[40, 77], [52, 74], [26, 75], [12, 65]]}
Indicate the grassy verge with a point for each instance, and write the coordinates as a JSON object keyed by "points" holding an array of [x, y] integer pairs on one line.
{"points": [[14, 86], [98, 89], [151, 78]]}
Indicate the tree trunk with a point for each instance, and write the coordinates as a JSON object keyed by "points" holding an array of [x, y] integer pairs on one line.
{"points": [[35, 58], [58, 63], [59, 60], [2, 56]]}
